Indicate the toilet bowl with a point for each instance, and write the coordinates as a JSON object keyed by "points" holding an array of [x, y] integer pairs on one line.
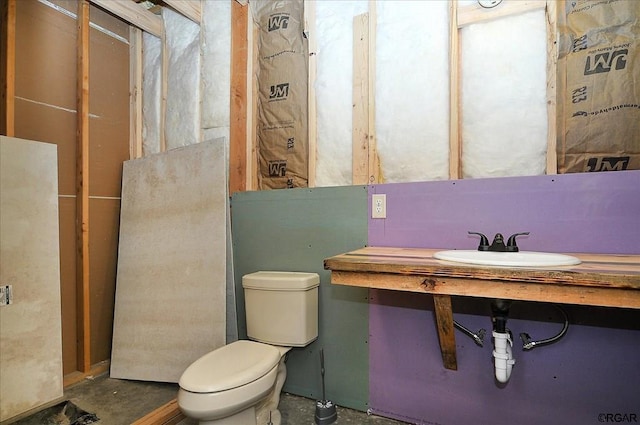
{"points": [[225, 385], [240, 383]]}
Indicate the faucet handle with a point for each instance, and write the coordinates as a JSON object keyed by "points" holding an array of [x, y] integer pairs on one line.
{"points": [[511, 243], [484, 242]]}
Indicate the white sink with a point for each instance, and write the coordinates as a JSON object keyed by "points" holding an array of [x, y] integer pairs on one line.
{"points": [[508, 259]]}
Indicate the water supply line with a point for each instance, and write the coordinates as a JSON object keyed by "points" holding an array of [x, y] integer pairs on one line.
{"points": [[478, 337], [527, 344]]}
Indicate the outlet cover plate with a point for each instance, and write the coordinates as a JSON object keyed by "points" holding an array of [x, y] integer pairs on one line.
{"points": [[379, 206]]}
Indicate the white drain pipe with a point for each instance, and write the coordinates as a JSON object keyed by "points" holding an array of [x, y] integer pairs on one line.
{"points": [[502, 355]]}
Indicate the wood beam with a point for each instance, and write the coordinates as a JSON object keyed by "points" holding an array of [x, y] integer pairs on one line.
{"points": [[455, 144], [238, 129], [192, 9], [168, 414], [360, 101], [475, 13], [82, 191], [8, 63], [446, 334], [552, 83], [312, 122], [134, 14], [135, 92], [375, 173]]}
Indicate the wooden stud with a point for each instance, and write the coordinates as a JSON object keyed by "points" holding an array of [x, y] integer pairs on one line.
{"points": [[360, 114], [164, 88], [310, 30], [375, 174], [135, 92], [446, 335], [9, 68], [82, 192], [134, 14], [475, 13], [552, 78], [455, 143], [252, 96], [238, 129]]}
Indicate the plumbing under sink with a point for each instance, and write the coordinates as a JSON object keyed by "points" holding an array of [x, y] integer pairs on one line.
{"points": [[507, 259]]}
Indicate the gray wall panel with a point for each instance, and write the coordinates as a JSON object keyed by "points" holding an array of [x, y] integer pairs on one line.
{"points": [[295, 230]]}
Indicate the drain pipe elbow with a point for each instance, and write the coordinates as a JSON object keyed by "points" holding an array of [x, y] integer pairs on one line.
{"points": [[503, 356]]}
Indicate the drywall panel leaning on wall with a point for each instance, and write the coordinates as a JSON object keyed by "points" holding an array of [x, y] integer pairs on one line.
{"points": [[30, 316], [599, 59], [170, 289], [282, 76]]}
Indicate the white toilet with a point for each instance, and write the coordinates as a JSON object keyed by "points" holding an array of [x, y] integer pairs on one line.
{"points": [[240, 383]]}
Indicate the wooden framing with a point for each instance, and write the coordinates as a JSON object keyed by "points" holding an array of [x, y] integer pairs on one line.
{"points": [[134, 14], [82, 191], [455, 145], [552, 84], [365, 159], [238, 125], [360, 116], [168, 414], [135, 91], [374, 161], [8, 63], [473, 14], [310, 30]]}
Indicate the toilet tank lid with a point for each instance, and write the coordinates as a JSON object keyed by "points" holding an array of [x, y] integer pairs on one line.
{"points": [[280, 281], [230, 366]]}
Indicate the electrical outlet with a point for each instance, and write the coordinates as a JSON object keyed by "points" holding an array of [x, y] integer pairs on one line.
{"points": [[379, 206]]}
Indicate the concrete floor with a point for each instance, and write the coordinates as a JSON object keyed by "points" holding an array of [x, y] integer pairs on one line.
{"points": [[121, 402]]}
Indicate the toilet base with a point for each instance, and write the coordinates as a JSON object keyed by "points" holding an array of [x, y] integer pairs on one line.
{"points": [[244, 417], [267, 410]]}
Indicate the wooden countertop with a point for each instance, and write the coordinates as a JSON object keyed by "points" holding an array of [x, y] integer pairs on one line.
{"points": [[600, 280]]}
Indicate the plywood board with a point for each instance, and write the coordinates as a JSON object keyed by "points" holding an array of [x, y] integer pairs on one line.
{"points": [[170, 285], [30, 325]]}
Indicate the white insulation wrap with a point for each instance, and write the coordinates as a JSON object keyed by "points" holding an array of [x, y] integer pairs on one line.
{"points": [[334, 28], [412, 90], [182, 121], [151, 93], [504, 110], [216, 63]]}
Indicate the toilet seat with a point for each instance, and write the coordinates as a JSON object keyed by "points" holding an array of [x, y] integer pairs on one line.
{"points": [[230, 366]]}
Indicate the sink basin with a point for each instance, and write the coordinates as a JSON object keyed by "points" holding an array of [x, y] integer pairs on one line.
{"points": [[508, 259]]}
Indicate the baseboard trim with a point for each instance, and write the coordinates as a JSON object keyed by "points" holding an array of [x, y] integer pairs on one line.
{"points": [[77, 376], [169, 414]]}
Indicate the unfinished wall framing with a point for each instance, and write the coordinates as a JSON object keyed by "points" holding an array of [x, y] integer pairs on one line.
{"points": [[79, 101]]}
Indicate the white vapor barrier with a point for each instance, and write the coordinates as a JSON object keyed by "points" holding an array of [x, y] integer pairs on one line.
{"points": [[182, 120], [412, 90], [334, 28], [504, 112], [216, 63], [151, 93]]}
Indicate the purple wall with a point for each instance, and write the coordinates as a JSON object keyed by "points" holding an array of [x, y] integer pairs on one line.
{"points": [[594, 369]]}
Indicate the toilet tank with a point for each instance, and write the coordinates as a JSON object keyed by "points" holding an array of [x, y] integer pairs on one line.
{"points": [[281, 307]]}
